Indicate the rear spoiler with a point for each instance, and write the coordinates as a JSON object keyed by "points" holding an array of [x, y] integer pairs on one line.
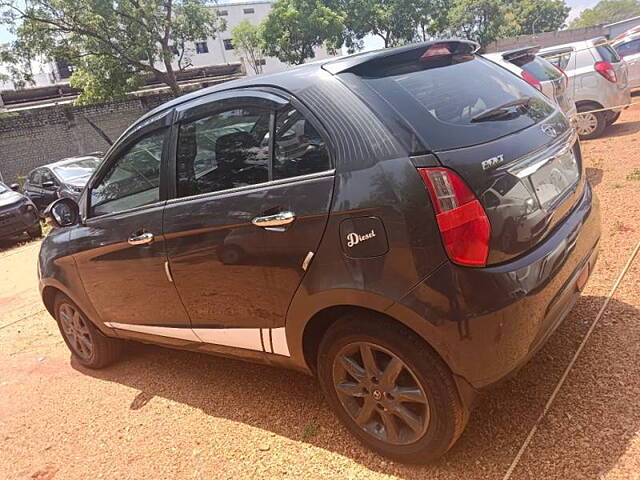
{"points": [[423, 50], [520, 52]]}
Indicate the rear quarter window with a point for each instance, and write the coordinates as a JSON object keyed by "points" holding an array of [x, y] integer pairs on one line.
{"points": [[607, 53], [538, 67]]}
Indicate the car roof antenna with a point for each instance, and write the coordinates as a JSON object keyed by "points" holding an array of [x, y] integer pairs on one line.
{"points": [[99, 130]]}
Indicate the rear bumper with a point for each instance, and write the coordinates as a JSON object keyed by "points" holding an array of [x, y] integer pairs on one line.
{"points": [[490, 321], [16, 222]]}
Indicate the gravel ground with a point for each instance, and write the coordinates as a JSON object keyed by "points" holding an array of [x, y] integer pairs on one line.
{"points": [[164, 414]]}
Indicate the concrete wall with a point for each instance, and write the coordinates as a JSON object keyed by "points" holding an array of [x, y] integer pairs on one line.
{"points": [[548, 39], [37, 136]]}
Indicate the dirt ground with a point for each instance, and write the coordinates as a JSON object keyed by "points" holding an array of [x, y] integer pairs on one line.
{"points": [[164, 414]]}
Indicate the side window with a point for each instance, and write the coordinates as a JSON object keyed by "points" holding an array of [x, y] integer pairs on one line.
{"points": [[35, 177], [133, 180], [629, 48], [299, 148], [225, 150], [559, 59], [47, 176]]}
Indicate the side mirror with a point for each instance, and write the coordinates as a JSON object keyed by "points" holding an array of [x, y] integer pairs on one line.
{"points": [[15, 187], [64, 212], [48, 185]]}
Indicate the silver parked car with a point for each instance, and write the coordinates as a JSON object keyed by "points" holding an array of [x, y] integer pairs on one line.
{"points": [[628, 48], [550, 79], [598, 79]]}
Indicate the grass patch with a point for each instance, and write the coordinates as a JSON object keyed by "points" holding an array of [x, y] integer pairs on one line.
{"points": [[310, 430], [635, 175]]}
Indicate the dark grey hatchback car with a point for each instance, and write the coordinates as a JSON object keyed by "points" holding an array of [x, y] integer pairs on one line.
{"points": [[408, 225]]}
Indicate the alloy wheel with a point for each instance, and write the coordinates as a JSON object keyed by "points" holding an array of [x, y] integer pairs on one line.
{"points": [[76, 331], [587, 123], [380, 393]]}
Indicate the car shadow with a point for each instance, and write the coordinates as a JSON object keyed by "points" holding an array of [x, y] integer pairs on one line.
{"points": [[10, 243], [594, 175], [289, 403], [621, 129]]}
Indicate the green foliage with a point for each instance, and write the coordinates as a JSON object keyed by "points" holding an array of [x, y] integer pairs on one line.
{"points": [[294, 27], [524, 17], [246, 38], [110, 43], [487, 20], [607, 11], [15, 59]]}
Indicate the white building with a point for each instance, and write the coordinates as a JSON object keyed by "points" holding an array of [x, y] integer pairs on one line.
{"points": [[220, 50]]}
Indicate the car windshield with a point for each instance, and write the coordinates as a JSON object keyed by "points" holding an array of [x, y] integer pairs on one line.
{"points": [[607, 53], [76, 169], [3, 188], [441, 103], [538, 67]]}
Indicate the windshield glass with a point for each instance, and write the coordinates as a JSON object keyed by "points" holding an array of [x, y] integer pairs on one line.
{"points": [[3, 188], [441, 102], [538, 67], [607, 53], [76, 169]]}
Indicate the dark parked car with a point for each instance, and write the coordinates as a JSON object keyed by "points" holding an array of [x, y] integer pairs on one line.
{"points": [[64, 178], [18, 214], [408, 225]]}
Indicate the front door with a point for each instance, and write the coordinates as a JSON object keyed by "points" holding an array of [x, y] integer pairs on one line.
{"points": [[122, 259], [253, 191]]}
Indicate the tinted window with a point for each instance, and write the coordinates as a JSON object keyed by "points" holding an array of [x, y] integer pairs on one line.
{"points": [[226, 150], [35, 177], [47, 176], [299, 149], [440, 100], [133, 180], [76, 169], [538, 67], [629, 48], [559, 59], [607, 53]]}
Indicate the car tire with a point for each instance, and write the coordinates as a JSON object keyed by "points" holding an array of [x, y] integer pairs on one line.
{"points": [[35, 232], [434, 425], [613, 118], [231, 255], [590, 125], [87, 344]]}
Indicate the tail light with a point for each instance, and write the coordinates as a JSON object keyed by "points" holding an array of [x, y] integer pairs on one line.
{"points": [[606, 70], [531, 80], [462, 221]]}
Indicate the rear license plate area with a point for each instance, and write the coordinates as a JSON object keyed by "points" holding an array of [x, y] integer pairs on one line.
{"points": [[555, 178]]}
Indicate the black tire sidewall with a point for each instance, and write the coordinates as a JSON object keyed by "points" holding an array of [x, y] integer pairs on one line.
{"points": [[436, 382]]}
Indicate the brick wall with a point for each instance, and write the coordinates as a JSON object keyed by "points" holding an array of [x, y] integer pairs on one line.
{"points": [[37, 136]]}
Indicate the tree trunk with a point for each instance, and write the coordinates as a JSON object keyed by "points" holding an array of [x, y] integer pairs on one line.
{"points": [[171, 81]]}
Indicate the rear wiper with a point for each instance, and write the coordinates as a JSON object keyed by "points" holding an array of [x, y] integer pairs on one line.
{"points": [[501, 110]]}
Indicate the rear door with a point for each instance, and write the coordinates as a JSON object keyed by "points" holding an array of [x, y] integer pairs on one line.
{"points": [[33, 189], [253, 187]]}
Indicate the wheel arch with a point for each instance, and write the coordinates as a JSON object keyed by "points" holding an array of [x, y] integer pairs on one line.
{"points": [[588, 103]]}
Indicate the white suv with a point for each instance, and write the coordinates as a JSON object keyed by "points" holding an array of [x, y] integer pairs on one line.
{"points": [[598, 79], [629, 49]]}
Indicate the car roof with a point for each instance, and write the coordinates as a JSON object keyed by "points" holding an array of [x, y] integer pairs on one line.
{"points": [[65, 161], [298, 77], [575, 45], [628, 38]]}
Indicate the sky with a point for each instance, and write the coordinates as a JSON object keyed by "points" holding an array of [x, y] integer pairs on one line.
{"points": [[576, 7]]}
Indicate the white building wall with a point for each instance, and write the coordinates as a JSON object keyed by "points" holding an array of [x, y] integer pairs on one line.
{"points": [[235, 13]]}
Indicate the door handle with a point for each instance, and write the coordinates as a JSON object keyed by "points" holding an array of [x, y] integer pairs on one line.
{"points": [[141, 239], [275, 222]]}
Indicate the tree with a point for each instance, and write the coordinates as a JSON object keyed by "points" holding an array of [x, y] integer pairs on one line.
{"points": [[112, 45], [246, 38], [15, 60], [478, 20], [294, 27], [607, 11], [394, 21], [524, 17], [432, 17]]}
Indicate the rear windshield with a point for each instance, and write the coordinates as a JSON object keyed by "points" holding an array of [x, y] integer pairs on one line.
{"points": [[441, 101], [538, 67], [607, 53]]}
